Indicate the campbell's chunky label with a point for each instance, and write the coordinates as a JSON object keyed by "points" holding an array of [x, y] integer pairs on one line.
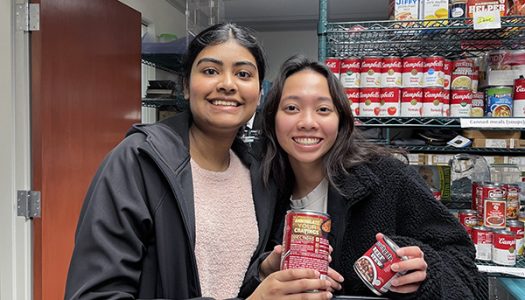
{"points": [[482, 239], [460, 103], [519, 98], [478, 104], [433, 71], [513, 201], [371, 72], [305, 241], [353, 98], [391, 68], [432, 102], [350, 72], [462, 70], [504, 247], [374, 267], [369, 102], [389, 102], [334, 64], [412, 71], [411, 102]]}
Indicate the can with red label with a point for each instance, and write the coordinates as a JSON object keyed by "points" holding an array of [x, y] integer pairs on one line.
{"points": [[432, 102], [513, 201], [504, 247], [478, 104], [305, 241], [495, 212], [488, 190], [412, 71], [369, 102], [517, 227], [433, 71], [519, 97], [468, 218], [391, 68], [350, 72], [334, 64], [460, 103], [374, 267], [353, 99], [461, 78], [411, 102], [446, 103], [482, 239], [475, 186], [475, 79], [447, 73], [371, 72], [389, 102]]}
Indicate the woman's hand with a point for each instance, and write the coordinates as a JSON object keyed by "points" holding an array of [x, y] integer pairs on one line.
{"points": [[292, 284], [415, 267], [272, 263]]}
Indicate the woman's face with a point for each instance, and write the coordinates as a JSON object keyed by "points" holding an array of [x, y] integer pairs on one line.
{"points": [[306, 122], [223, 87]]}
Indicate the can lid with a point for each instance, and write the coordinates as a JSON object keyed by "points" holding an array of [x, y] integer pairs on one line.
{"points": [[514, 223], [468, 211], [504, 232], [308, 212], [393, 246], [482, 228]]}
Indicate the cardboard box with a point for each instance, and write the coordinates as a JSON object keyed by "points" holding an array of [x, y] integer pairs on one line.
{"points": [[492, 134], [417, 158], [499, 143], [437, 178], [439, 159]]}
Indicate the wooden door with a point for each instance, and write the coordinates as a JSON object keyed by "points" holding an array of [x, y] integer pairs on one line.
{"points": [[85, 81]]}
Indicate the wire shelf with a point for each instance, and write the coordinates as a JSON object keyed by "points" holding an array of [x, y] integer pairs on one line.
{"points": [[498, 270], [454, 150], [179, 102], [511, 123], [168, 62], [447, 37]]}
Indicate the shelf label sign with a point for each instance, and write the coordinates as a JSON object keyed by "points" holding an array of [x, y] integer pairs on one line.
{"points": [[486, 20], [492, 122]]}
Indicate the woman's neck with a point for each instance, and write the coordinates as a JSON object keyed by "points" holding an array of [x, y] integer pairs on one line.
{"points": [[307, 178], [210, 152]]}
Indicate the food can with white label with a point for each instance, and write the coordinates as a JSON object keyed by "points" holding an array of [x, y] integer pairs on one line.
{"points": [[482, 239], [504, 247]]}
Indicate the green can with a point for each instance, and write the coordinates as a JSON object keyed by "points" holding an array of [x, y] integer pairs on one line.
{"points": [[499, 101]]}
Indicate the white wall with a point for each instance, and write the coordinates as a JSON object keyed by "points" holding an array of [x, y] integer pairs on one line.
{"points": [[279, 45]]}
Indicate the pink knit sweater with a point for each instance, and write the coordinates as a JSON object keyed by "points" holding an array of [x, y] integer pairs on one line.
{"points": [[226, 227]]}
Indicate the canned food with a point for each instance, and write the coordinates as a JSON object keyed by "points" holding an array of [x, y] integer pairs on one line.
{"points": [[391, 68], [482, 239], [353, 98], [517, 227], [504, 247], [460, 103], [446, 103], [519, 98], [488, 190], [350, 72], [494, 212], [468, 218], [371, 72], [412, 71], [432, 102], [458, 9], [411, 102], [389, 102], [462, 70], [478, 105], [374, 266], [447, 74], [433, 71], [499, 101], [305, 241], [513, 201], [334, 64], [369, 101]]}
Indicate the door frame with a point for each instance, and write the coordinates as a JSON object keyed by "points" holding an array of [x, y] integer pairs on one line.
{"points": [[15, 162]]}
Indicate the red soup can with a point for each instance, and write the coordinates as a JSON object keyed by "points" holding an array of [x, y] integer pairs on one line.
{"points": [[305, 241], [374, 266], [482, 239], [334, 64], [468, 218], [504, 247]]}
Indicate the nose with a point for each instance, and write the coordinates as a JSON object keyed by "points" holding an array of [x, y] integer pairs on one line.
{"points": [[227, 84], [308, 121]]}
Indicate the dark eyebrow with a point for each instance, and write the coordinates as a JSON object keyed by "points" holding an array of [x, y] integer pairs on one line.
{"points": [[293, 97], [216, 61]]}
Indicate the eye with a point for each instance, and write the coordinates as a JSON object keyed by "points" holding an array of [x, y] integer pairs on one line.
{"points": [[290, 108], [325, 109], [210, 71], [244, 74]]}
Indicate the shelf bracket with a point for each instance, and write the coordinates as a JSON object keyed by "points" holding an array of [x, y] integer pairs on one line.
{"points": [[28, 17]]}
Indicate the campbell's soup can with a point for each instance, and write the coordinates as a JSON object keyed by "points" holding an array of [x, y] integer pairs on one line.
{"points": [[461, 78], [350, 72], [433, 71], [478, 105], [412, 72], [371, 72], [389, 102], [411, 102], [475, 79], [488, 190], [391, 68], [494, 212], [513, 201], [447, 73], [482, 239], [460, 103], [519, 98], [468, 218], [334, 64], [353, 98], [446, 103], [432, 102], [369, 102], [504, 247], [474, 192], [517, 227], [374, 267], [305, 241]]}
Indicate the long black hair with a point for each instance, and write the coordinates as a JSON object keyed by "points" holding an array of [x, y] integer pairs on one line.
{"points": [[349, 148]]}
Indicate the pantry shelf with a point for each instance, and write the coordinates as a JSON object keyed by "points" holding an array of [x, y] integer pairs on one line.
{"points": [[447, 37], [518, 270], [443, 122]]}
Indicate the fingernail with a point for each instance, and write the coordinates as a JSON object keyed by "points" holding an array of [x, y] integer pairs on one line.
{"points": [[341, 279], [395, 267], [330, 295], [394, 282]]}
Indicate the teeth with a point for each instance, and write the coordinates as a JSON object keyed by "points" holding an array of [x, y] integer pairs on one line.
{"points": [[224, 103], [307, 141]]}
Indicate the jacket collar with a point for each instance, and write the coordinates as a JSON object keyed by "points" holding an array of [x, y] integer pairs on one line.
{"points": [[358, 183]]}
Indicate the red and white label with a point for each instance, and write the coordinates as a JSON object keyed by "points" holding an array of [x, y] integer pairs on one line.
{"points": [[350, 72], [447, 72], [412, 71], [432, 102], [519, 98], [389, 102], [504, 248], [411, 102], [391, 68], [433, 71], [446, 103], [334, 64], [369, 102], [371, 72], [460, 103], [482, 239], [353, 98], [494, 213]]}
